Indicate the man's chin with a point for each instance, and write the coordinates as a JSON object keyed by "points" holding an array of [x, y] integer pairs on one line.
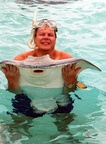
{"points": [[45, 48]]}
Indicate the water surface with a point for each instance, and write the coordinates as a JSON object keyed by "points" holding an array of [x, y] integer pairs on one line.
{"points": [[81, 32]]}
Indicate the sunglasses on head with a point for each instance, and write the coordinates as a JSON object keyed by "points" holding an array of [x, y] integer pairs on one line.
{"points": [[47, 22]]}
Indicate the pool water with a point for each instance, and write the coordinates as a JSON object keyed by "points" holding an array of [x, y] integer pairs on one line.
{"points": [[81, 32]]}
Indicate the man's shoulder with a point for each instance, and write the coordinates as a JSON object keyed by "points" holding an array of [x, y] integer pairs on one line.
{"points": [[23, 55]]}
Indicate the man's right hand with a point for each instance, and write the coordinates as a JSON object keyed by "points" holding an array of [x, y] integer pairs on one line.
{"points": [[13, 75]]}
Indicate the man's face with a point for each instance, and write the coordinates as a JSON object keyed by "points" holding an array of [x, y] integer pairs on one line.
{"points": [[45, 38]]}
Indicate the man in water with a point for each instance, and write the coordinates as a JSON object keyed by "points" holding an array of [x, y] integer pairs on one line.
{"points": [[44, 38]]}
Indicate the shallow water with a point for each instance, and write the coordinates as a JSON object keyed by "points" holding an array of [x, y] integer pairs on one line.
{"points": [[81, 32]]}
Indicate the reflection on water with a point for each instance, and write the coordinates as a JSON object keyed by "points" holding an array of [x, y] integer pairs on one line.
{"points": [[62, 122], [23, 129], [42, 1], [79, 126], [54, 2], [16, 130]]}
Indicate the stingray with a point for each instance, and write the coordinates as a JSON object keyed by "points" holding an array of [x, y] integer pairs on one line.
{"points": [[41, 78]]}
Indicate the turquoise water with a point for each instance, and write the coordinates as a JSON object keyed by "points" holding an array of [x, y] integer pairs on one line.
{"points": [[82, 26]]}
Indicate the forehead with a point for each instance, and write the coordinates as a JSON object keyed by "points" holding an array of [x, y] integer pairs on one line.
{"points": [[46, 29]]}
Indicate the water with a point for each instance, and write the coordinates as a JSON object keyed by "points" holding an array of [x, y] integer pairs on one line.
{"points": [[81, 32]]}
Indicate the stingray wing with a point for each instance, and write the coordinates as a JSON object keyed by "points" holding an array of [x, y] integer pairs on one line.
{"points": [[46, 62]]}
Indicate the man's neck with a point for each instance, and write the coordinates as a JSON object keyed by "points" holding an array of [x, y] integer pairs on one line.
{"points": [[39, 53]]}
